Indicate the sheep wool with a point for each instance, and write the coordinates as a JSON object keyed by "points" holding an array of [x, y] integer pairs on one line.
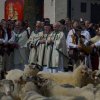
{"points": [[67, 98], [7, 98], [14, 75], [76, 78], [30, 71], [97, 92], [29, 86], [53, 89], [32, 95]]}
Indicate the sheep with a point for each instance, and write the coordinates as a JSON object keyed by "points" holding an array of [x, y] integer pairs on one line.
{"points": [[7, 98], [67, 98], [50, 88], [29, 86], [30, 71], [76, 78], [1, 95], [14, 75], [6, 86], [88, 92], [94, 77], [97, 92], [32, 95], [6, 90], [19, 75]]}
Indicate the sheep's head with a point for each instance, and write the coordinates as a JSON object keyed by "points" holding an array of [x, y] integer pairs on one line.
{"points": [[41, 82], [81, 74], [95, 76], [81, 71], [7, 86], [31, 70], [44, 85]]}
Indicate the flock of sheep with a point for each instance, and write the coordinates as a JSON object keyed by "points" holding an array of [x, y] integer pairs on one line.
{"points": [[33, 84]]}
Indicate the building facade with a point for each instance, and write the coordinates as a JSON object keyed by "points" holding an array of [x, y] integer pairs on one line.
{"points": [[87, 9], [59, 9], [74, 9], [2, 6]]}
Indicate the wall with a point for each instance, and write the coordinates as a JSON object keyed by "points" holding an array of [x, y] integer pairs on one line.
{"points": [[49, 10], [55, 9], [76, 9], [2, 3], [60, 9]]}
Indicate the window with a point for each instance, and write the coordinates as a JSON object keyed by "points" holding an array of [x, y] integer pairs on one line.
{"points": [[83, 7]]}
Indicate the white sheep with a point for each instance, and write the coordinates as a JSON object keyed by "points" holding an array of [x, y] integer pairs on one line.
{"points": [[6, 86], [7, 98], [19, 75], [30, 71], [14, 75], [50, 88], [88, 92], [6, 90], [67, 98], [32, 95], [97, 92], [76, 78], [29, 86]]}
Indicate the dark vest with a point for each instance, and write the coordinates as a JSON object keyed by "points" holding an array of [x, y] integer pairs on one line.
{"points": [[3, 34], [9, 33]]}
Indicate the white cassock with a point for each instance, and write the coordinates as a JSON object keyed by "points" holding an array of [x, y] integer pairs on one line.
{"points": [[58, 52], [33, 50]]}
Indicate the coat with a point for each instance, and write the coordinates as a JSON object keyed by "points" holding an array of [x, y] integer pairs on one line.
{"points": [[57, 52]]}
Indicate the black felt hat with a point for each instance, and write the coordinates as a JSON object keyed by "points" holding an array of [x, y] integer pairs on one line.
{"points": [[47, 24], [62, 21]]}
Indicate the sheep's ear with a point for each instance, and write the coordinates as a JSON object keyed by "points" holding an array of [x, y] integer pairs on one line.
{"points": [[39, 67], [82, 63]]}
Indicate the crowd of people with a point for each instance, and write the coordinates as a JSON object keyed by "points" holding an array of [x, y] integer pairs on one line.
{"points": [[57, 47]]}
